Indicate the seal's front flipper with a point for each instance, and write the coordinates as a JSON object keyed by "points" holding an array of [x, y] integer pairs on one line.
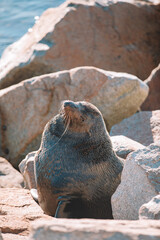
{"points": [[71, 208], [60, 211]]}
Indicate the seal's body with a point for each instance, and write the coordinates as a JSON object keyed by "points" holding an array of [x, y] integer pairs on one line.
{"points": [[77, 170]]}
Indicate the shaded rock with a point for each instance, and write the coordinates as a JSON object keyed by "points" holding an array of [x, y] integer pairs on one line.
{"points": [[140, 182], [152, 102], [25, 108], [123, 145], [143, 127], [26, 167], [150, 210], [56, 42], [95, 229], [9, 177], [17, 211]]}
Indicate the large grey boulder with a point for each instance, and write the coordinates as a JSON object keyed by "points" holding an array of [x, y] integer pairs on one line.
{"points": [[143, 127], [87, 33], [25, 108], [140, 182]]}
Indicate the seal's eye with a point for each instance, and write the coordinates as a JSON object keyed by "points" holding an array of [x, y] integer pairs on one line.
{"points": [[82, 119]]}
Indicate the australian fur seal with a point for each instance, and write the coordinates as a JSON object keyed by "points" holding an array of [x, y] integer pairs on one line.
{"points": [[77, 170]]}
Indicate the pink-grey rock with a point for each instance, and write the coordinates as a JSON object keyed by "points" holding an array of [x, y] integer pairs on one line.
{"points": [[9, 177], [152, 102], [150, 210], [143, 127], [14, 201], [64, 229], [26, 167], [140, 182], [25, 108], [17, 211], [123, 145], [87, 33]]}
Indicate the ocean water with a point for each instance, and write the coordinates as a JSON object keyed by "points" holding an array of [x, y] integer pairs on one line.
{"points": [[17, 16]]}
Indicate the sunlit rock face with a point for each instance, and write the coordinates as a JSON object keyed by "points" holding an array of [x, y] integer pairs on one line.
{"points": [[116, 36]]}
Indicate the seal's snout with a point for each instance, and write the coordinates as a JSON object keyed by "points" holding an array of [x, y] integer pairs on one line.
{"points": [[69, 104], [71, 111]]}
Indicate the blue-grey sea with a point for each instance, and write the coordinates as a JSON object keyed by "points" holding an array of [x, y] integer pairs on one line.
{"points": [[17, 16]]}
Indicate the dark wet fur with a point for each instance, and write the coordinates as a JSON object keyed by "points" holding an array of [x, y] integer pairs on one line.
{"points": [[77, 170]]}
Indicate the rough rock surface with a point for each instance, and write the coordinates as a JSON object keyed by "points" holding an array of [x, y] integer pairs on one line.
{"points": [[123, 145], [25, 108], [150, 210], [26, 167], [64, 229], [143, 127], [87, 33], [140, 182], [153, 100], [17, 211], [9, 177]]}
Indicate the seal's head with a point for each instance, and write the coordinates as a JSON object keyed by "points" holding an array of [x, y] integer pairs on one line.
{"points": [[81, 117], [76, 122]]}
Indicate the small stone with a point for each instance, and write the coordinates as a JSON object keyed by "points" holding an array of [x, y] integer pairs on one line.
{"points": [[143, 127]]}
